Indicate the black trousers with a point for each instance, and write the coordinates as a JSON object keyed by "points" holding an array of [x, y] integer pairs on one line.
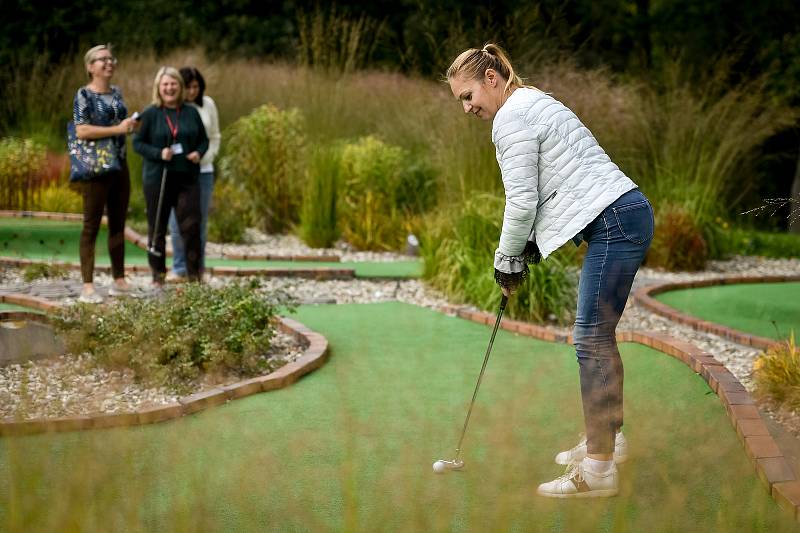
{"points": [[113, 190], [181, 192]]}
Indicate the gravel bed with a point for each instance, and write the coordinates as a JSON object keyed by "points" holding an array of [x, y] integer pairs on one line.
{"points": [[72, 385], [258, 243]]}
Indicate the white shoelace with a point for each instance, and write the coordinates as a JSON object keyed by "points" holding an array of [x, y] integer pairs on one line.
{"points": [[574, 470]]}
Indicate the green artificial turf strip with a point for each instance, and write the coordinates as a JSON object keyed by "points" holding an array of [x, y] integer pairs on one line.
{"points": [[350, 447], [58, 240], [748, 307], [14, 307]]}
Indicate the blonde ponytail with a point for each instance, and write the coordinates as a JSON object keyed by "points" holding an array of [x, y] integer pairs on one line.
{"points": [[473, 63]]}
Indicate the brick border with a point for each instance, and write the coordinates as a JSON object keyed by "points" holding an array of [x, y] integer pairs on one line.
{"points": [[316, 354], [645, 297], [140, 240], [768, 461]]}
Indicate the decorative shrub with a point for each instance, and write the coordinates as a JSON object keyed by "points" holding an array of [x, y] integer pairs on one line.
{"points": [[318, 224], [62, 198], [44, 270], [777, 373], [21, 163], [173, 340], [679, 242], [264, 152], [229, 215], [458, 249], [383, 187]]}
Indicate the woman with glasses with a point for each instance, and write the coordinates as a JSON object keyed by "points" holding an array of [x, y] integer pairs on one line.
{"points": [[99, 112], [171, 141]]}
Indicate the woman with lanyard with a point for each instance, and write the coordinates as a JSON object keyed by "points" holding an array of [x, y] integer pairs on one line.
{"points": [[171, 141]]}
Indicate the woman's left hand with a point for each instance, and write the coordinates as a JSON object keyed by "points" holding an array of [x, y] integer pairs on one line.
{"points": [[194, 157]]}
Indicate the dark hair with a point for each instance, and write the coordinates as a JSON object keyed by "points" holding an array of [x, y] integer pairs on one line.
{"points": [[189, 74]]}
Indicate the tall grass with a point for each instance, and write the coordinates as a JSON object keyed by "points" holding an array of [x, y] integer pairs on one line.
{"points": [[319, 227]]}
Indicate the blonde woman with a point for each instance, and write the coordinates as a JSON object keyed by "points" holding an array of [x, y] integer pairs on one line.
{"points": [[171, 140], [99, 112], [195, 95], [560, 185]]}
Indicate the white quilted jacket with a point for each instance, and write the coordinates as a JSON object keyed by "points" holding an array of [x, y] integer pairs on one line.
{"points": [[557, 178]]}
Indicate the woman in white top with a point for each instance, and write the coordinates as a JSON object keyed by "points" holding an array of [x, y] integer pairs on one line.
{"points": [[195, 95], [561, 185]]}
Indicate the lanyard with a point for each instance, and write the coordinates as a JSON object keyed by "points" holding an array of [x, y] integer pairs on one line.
{"points": [[173, 128]]}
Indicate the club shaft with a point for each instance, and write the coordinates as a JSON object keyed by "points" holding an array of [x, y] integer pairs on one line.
{"points": [[503, 302], [158, 209]]}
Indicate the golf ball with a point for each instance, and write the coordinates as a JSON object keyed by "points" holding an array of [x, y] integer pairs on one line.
{"points": [[439, 467]]}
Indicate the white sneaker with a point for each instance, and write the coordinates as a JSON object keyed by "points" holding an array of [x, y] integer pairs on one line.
{"points": [[90, 298], [577, 453], [580, 482]]}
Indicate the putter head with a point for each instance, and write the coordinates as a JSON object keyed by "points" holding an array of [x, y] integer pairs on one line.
{"points": [[441, 466]]}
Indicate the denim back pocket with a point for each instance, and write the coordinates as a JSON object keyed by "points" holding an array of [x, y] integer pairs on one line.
{"points": [[635, 221]]}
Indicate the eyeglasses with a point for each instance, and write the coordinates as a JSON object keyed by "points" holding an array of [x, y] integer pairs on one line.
{"points": [[108, 59]]}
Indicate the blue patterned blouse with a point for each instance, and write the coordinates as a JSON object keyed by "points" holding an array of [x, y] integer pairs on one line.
{"points": [[101, 109]]}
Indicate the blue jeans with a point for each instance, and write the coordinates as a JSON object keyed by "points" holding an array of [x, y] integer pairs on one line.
{"points": [[206, 181], [618, 240]]}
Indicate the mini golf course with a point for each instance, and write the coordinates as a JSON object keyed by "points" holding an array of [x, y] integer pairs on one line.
{"points": [[769, 310], [350, 447], [48, 240]]}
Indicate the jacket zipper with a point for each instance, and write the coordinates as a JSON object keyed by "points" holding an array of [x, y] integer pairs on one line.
{"points": [[553, 195]]}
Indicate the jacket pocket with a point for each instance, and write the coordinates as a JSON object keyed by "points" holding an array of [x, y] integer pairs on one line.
{"points": [[635, 221], [552, 195]]}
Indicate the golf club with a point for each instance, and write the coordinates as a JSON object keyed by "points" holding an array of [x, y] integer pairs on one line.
{"points": [[152, 248], [441, 466]]}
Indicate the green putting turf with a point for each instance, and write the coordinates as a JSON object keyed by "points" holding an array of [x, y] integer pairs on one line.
{"points": [[748, 307], [13, 307], [350, 447], [57, 240]]}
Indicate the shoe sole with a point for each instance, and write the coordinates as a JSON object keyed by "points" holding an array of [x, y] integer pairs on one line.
{"points": [[618, 461], [606, 493]]}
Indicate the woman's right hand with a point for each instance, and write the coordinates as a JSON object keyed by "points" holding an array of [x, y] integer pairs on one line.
{"points": [[166, 154], [127, 126]]}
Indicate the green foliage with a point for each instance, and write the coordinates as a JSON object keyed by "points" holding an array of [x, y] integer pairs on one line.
{"points": [[44, 270], [699, 141], [318, 224], [458, 250], [264, 151], [727, 241], [383, 186], [173, 340], [229, 216], [777, 373], [59, 199], [21, 162]]}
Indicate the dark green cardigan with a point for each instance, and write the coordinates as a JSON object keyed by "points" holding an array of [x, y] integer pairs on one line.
{"points": [[154, 135]]}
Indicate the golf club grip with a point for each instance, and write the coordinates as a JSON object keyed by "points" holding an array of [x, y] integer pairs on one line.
{"points": [[503, 302]]}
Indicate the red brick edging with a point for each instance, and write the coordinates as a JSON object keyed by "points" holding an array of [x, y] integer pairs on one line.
{"points": [[316, 354], [645, 297], [140, 240], [766, 457]]}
